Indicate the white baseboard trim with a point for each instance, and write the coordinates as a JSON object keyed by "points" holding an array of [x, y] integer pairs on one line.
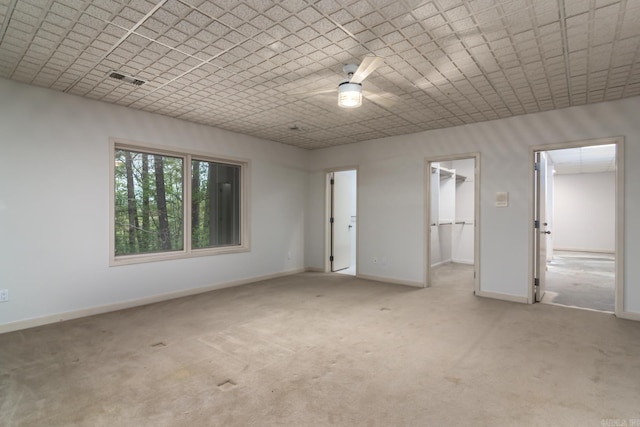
{"points": [[599, 251], [630, 315], [503, 297], [439, 263], [85, 312], [390, 280], [463, 261], [452, 261]]}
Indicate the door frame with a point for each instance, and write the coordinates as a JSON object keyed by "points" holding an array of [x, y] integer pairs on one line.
{"points": [[327, 215], [541, 243], [618, 141], [476, 214]]}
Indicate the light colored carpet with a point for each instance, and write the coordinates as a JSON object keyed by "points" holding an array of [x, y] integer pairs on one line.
{"points": [[320, 350]]}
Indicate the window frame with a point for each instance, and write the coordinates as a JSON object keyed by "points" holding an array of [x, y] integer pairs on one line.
{"points": [[187, 157]]}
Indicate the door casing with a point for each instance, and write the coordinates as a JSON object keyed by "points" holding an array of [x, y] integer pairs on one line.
{"points": [[476, 214], [327, 216], [619, 215], [540, 217]]}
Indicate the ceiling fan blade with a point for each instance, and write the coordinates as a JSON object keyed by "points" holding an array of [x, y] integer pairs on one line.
{"points": [[368, 66], [379, 96], [381, 100]]}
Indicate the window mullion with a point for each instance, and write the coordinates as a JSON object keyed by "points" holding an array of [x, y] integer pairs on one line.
{"points": [[188, 191]]}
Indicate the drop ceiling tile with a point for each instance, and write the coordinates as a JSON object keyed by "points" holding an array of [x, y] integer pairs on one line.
{"points": [[99, 12], [425, 10], [576, 7], [632, 89], [32, 9], [262, 51], [63, 10], [26, 21]]}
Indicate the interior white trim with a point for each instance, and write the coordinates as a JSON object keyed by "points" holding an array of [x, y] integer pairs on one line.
{"points": [[327, 215], [91, 311], [461, 261], [411, 283], [619, 215], [503, 297], [600, 251], [629, 315], [476, 209], [620, 191]]}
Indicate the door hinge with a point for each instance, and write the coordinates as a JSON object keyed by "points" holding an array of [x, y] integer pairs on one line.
{"points": [[331, 258], [333, 181], [536, 282], [536, 166], [331, 220], [536, 224]]}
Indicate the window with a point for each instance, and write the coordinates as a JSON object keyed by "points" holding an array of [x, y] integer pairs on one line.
{"points": [[148, 202], [215, 204], [167, 204]]}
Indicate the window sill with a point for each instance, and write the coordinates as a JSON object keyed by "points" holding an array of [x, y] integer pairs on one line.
{"points": [[167, 256]]}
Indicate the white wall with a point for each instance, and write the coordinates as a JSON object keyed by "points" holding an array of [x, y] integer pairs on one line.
{"points": [[54, 200], [392, 207], [584, 212], [54, 205]]}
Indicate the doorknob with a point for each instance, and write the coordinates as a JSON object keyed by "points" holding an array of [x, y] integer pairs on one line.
{"points": [[350, 226], [545, 232]]}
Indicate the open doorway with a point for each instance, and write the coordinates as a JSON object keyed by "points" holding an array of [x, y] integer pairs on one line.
{"points": [[577, 225], [342, 198], [452, 216]]}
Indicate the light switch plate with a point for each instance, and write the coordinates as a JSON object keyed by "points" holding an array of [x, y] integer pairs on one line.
{"points": [[502, 199]]}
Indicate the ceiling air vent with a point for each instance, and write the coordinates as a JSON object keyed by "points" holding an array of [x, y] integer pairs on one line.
{"points": [[129, 79]]}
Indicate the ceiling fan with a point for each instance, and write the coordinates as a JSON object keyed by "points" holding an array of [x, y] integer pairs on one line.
{"points": [[350, 90]]}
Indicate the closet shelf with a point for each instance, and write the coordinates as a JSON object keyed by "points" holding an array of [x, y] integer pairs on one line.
{"points": [[456, 222], [448, 173]]}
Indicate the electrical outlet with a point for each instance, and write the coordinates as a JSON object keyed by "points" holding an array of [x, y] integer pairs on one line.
{"points": [[4, 295]]}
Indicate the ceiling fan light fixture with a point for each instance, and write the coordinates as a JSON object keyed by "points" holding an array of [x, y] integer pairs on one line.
{"points": [[349, 95]]}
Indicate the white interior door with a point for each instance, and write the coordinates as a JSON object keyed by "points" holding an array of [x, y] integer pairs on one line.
{"points": [[341, 225], [549, 207], [541, 230]]}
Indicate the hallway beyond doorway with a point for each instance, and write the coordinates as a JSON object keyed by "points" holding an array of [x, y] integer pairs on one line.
{"points": [[351, 271], [342, 236], [582, 280]]}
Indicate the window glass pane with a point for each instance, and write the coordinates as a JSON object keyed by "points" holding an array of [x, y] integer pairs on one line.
{"points": [[215, 209], [148, 203]]}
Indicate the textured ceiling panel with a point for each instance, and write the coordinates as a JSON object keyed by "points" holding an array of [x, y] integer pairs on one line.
{"points": [[270, 68]]}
